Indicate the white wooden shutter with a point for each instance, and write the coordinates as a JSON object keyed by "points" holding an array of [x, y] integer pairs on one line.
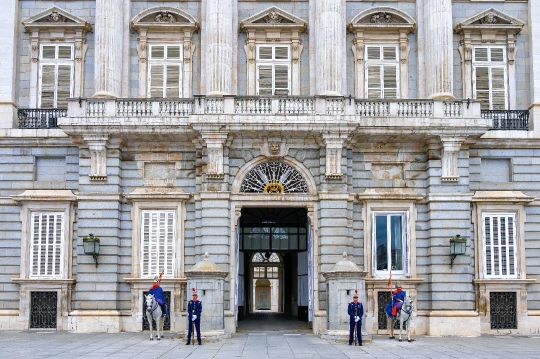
{"points": [[157, 243], [264, 80], [281, 79], [500, 246], [47, 232], [273, 70], [373, 79], [489, 77], [56, 76], [381, 72], [47, 85], [63, 84], [165, 71]]}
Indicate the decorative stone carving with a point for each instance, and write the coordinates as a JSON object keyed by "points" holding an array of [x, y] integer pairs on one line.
{"points": [[274, 149], [56, 17], [490, 18], [334, 147], [165, 16], [214, 147], [273, 18], [450, 152], [97, 145], [273, 177], [368, 26]]}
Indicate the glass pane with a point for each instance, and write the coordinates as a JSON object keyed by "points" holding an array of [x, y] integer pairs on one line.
{"points": [[389, 53], [265, 52], [173, 52], [396, 239], [373, 53], [157, 52], [64, 52], [381, 245], [48, 52], [282, 52]]}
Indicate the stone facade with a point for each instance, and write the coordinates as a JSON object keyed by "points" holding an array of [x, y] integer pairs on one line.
{"points": [[428, 159]]}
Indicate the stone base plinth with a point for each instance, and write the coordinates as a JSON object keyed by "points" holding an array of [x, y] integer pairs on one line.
{"points": [[462, 324], [10, 320], [101, 321], [343, 336]]}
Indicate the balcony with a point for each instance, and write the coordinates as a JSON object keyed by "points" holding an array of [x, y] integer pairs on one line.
{"points": [[508, 119], [40, 118]]}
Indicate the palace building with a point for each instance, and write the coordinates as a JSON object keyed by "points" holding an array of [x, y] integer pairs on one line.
{"points": [[274, 155]]}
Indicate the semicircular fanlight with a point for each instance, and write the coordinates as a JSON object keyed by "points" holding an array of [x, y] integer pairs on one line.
{"points": [[274, 177]]}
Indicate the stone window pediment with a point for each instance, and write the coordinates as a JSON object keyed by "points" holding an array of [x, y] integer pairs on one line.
{"points": [[56, 18], [490, 19], [163, 26], [273, 26], [382, 19]]}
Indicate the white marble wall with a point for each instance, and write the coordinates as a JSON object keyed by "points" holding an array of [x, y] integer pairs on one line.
{"points": [[438, 60], [328, 21], [219, 43], [9, 31], [534, 23], [109, 30]]}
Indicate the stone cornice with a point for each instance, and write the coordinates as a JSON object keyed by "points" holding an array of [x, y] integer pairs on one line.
{"points": [[56, 18], [273, 20], [157, 193], [390, 194], [164, 18], [509, 23], [45, 195], [404, 22], [501, 197]]}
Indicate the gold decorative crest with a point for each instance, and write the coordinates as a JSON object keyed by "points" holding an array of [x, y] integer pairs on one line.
{"points": [[274, 187]]}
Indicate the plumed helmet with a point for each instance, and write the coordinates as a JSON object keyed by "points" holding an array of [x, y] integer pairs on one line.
{"points": [[193, 292], [398, 285], [156, 279], [355, 294]]}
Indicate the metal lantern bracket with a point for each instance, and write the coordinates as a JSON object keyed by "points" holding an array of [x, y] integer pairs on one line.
{"points": [[91, 246], [458, 246]]}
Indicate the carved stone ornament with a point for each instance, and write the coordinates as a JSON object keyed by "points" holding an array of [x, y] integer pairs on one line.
{"points": [[490, 18], [56, 18], [273, 18], [274, 149], [165, 16], [382, 18]]}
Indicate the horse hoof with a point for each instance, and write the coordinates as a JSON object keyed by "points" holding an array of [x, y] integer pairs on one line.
{"points": [[158, 338], [410, 341], [400, 340], [151, 338], [392, 338]]}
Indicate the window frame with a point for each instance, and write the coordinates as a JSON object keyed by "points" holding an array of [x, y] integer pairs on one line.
{"points": [[169, 267], [273, 63], [490, 65], [485, 252], [381, 64], [56, 62], [165, 62], [404, 242], [59, 260]]}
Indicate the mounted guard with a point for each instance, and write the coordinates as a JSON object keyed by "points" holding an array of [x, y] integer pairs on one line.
{"points": [[158, 294], [398, 297]]}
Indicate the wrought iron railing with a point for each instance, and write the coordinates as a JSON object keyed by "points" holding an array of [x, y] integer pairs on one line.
{"points": [[40, 117], [508, 119]]}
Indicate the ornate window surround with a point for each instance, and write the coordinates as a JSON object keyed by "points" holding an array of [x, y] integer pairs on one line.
{"points": [[273, 26], [381, 26], [500, 202], [165, 25], [490, 27], [62, 201], [56, 26]]}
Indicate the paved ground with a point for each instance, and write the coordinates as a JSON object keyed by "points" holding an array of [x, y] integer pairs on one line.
{"points": [[257, 345]]}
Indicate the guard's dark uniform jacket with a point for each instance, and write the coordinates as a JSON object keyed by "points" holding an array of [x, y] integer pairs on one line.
{"points": [[355, 309], [194, 308]]}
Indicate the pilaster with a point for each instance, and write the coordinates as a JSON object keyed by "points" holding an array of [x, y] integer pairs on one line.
{"points": [[534, 33], [9, 37]]}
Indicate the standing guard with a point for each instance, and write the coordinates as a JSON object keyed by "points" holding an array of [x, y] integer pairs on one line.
{"points": [[194, 317], [356, 312]]}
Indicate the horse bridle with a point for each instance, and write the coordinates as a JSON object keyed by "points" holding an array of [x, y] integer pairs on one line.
{"points": [[154, 306]]}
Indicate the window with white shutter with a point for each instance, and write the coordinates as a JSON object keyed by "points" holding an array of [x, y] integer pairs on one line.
{"points": [[382, 72], [273, 70], [489, 77], [499, 245], [157, 243], [165, 71], [46, 254], [390, 242], [55, 75]]}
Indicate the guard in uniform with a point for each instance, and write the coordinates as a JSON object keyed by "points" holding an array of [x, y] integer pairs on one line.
{"points": [[158, 294], [356, 312], [194, 317]]}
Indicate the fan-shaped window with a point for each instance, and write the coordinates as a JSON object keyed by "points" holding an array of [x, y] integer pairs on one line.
{"points": [[266, 257], [274, 177]]}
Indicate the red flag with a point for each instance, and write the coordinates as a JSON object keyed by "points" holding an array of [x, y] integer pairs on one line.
{"points": [[390, 280]]}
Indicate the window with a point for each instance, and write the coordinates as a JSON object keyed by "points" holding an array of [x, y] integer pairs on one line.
{"points": [[273, 70], [55, 75], [489, 77], [390, 241], [499, 232], [46, 244], [382, 64], [165, 71], [157, 243]]}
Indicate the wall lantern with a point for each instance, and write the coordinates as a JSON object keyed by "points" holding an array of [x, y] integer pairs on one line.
{"points": [[91, 246], [458, 245]]}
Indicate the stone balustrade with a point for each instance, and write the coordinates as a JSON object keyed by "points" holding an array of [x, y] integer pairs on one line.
{"points": [[287, 106]]}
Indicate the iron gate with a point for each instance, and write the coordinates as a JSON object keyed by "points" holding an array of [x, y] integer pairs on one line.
{"points": [[43, 310], [383, 298], [502, 308], [166, 320]]}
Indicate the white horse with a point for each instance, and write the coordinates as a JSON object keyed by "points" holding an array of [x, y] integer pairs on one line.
{"points": [[404, 316], [153, 311]]}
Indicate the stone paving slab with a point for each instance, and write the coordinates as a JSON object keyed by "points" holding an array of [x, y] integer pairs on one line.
{"points": [[258, 345]]}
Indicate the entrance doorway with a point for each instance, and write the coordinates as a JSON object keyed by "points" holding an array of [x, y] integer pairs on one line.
{"points": [[274, 266]]}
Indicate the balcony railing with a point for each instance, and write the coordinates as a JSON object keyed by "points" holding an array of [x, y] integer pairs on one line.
{"points": [[40, 118], [286, 106], [508, 119]]}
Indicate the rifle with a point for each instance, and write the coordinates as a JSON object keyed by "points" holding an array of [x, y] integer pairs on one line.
{"points": [[192, 332], [355, 332]]}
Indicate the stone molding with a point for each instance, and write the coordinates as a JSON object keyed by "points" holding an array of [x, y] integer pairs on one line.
{"points": [[485, 286], [56, 25], [490, 26], [449, 160], [381, 25], [165, 24], [334, 147], [97, 145], [214, 152], [273, 26]]}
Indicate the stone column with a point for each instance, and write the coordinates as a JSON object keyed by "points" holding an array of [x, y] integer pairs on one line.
{"points": [[438, 49], [8, 58], [329, 25], [218, 33], [342, 281], [534, 33], [109, 46]]}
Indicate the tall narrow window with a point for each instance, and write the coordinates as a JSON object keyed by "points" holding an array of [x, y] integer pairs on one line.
{"points": [[273, 70], [157, 243], [46, 246], [500, 245], [165, 71], [489, 77], [390, 242], [382, 66], [55, 75]]}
